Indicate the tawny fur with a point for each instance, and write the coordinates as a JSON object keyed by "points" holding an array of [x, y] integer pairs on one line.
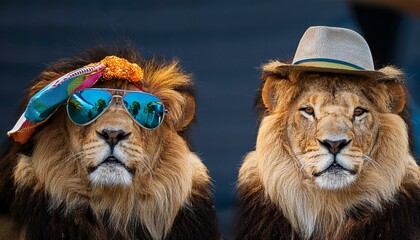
{"points": [[282, 167], [167, 174]]}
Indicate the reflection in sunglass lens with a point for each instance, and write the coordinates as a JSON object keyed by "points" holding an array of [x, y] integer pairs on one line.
{"points": [[146, 109], [86, 105]]}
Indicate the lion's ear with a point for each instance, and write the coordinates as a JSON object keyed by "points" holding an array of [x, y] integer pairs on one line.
{"points": [[276, 89], [397, 97], [269, 93], [276, 84], [395, 90], [188, 111]]}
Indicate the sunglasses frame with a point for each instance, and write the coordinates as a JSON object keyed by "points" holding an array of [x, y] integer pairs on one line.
{"points": [[108, 90]]}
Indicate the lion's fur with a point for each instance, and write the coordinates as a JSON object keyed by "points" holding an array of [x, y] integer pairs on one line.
{"points": [[168, 178], [278, 174]]}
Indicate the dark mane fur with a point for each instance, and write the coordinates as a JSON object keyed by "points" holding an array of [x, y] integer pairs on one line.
{"points": [[195, 221], [259, 218]]}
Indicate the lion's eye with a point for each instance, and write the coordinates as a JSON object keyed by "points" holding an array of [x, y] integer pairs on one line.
{"points": [[359, 111], [307, 110]]}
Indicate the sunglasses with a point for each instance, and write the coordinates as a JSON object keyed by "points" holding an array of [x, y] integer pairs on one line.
{"points": [[85, 106]]}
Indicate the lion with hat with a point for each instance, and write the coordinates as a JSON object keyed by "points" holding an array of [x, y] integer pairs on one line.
{"points": [[332, 158]]}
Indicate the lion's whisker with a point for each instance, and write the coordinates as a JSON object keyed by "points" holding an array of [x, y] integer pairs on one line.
{"points": [[148, 168], [75, 155], [135, 154], [374, 163], [301, 163]]}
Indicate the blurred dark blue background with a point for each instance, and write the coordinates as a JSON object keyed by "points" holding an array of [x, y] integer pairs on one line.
{"points": [[221, 42]]}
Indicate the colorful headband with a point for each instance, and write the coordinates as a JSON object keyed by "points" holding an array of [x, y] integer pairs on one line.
{"points": [[45, 102]]}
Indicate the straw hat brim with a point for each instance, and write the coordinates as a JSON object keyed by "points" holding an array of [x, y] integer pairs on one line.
{"points": [[297, 68]]}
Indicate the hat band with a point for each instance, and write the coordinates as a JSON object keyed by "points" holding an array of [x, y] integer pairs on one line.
{"points": [[327, 63]]}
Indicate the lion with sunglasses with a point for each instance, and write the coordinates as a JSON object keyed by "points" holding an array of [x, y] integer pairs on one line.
{"points": [[104, 154]]}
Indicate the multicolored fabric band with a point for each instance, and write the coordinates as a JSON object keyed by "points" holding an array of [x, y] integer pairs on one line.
{"points": [[45, 102], [327, 63]]}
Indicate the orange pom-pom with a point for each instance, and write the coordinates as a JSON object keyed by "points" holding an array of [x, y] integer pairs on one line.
{"points": [[120, 68]]}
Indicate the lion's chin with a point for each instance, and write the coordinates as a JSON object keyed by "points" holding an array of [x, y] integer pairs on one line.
{"points": [[335, 180], [111, 175]]}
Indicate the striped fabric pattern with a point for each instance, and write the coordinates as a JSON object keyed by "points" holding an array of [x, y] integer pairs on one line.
{"points": [[328, 63]]}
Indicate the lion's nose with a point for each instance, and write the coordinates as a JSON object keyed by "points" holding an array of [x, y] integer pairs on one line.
{"points": [[112, 137], [335, 147]]}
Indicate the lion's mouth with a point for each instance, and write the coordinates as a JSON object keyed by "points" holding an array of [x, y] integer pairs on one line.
{"points": [[335, 168], [111, 161]]}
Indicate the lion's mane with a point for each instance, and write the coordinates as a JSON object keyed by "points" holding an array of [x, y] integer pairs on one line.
{"points": [[45, 193]]}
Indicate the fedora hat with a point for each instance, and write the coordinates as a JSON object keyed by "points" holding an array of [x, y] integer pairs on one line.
{"points": [[333, 50]]}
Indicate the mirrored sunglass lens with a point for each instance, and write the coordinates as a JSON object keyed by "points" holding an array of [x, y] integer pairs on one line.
{"points": [[145, 109], [84, 106]]}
